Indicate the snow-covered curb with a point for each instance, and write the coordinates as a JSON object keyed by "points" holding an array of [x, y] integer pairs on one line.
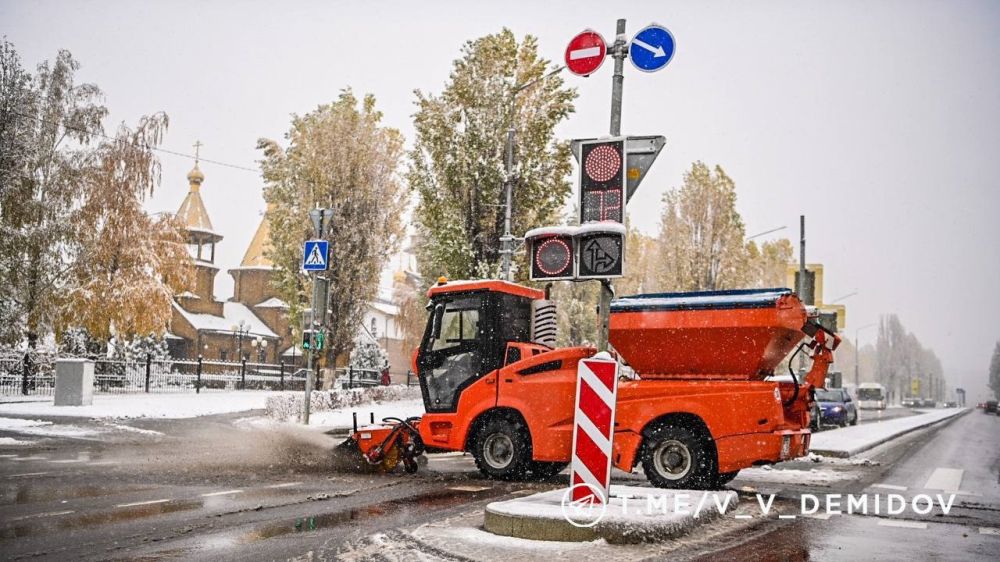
{"points": [[169, 406], [627, 518], [288, 406], [849, 441]]}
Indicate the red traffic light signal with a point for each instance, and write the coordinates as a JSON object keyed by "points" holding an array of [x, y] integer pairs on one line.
{"points": [[552, 252], [602, 180]]}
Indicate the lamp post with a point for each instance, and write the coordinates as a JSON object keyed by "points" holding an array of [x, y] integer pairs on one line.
{"points": [[260, 344], [240, 331], [507, 240], [857, 349]]}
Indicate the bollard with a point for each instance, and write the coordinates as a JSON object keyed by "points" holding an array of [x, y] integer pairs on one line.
{"points": [[355, 416], [197, 384], [243, 374], [350, 377], [25, 367], [281, 369], [372, 416], [149, 363]]}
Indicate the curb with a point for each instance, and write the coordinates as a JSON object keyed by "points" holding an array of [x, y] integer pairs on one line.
{"points": [[848, 454]]}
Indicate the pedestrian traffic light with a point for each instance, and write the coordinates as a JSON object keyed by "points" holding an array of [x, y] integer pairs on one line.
{"points": [[320, 337], [600, 251], [306, 339], [602, 180], [551, 253]]}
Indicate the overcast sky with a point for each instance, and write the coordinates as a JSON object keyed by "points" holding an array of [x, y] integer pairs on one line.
{"points": [[877, 120]]}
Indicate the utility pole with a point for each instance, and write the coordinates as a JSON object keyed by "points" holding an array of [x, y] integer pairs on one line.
{"points": [[320, 219], [617, 52]]}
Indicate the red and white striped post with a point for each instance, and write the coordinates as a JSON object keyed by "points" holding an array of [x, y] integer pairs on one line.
{"points": [[593, 428]]}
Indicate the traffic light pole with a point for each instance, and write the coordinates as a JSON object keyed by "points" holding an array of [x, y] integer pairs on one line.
{"points": [[319, 218], [617, 51]]}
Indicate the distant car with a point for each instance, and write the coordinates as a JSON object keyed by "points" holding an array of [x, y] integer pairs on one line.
{"points": [[836, 407], [991, 407], [910, 402], [951, 404], [928, 403]]}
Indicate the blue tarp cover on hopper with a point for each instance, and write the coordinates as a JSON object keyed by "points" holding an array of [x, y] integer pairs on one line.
{"points": [[700, 300]]}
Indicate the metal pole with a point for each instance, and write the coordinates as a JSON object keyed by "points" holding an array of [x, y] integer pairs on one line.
{"points": [[281, 370], [802, 275], [149, 362], [310, 377], [197, 384], [505, 242], [617, 51], [857, 347], [243, 374]]}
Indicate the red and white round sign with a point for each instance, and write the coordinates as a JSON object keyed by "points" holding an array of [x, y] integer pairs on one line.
{"points": [[585, 53]]}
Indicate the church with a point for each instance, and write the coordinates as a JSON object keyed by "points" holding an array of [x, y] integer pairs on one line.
{"points": [[254, 324]]}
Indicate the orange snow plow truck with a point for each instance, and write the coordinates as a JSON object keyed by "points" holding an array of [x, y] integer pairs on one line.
{"points": [[700, 407]]}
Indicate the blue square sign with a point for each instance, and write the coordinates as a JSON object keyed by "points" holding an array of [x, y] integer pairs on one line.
{"points": [[316, 255]]}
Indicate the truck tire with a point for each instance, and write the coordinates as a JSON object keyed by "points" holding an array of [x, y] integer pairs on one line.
{"points": [[678, 457], [544, 470], [502, 449]]}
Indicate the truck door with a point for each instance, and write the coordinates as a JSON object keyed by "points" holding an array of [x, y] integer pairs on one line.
{"points": [[451, 356]]}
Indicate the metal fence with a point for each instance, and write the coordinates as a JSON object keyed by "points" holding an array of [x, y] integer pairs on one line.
{"points": [[34, 374]]}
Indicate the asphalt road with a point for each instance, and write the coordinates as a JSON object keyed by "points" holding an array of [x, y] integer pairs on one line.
{"points": [[210, 489]]}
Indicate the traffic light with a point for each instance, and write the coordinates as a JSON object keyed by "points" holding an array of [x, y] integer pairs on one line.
{"points": [[551, 253], [600, 251], [320, 336], [306, 339], [602, 180]]}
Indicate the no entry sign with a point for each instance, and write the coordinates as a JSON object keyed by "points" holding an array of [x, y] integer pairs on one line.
{"points": [[585, 53], [593, 428]]}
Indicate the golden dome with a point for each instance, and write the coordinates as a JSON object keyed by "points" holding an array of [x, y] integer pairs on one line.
{"points": [[195, 176]]}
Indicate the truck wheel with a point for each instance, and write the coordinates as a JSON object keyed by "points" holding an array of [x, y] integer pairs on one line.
{"points": [[502, 449], [545, 470], [854, 420], [678, 457]]}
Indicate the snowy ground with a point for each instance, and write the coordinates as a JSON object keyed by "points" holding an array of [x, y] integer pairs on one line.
{"points": [[849, 441], [169, 406], [342, 418]]}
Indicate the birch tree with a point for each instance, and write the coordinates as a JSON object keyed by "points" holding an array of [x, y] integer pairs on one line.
{"points": [[457, 163], [127, 264], [338, 156]]}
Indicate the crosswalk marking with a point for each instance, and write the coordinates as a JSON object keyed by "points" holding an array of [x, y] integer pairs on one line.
{"points": [[283, 485], [989, 531], [889, 487], [902, 523], [37, 515], [948, 479]]}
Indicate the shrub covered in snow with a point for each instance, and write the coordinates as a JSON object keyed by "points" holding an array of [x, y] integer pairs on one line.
{"points": [[288, 407]]}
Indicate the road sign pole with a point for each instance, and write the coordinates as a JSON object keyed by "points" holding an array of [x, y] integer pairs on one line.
{"points": [[617, 82], [506, 245], [320, 218]]}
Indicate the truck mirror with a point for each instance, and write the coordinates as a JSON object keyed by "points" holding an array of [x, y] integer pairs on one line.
{"points": [[436, 321]]}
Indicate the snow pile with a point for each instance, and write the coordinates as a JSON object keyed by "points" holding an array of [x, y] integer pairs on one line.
{"points": [[849, 441], [813, 476], [43, 428], [170, 406], [8, 441], [288, 406]]}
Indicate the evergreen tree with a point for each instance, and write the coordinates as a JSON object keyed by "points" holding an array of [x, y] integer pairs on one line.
{"points": [[368, 354]]}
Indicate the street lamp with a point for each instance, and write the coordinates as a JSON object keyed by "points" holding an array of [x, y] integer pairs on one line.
{"points": [[240, 331], [507, 240], [759, 234], [260, 344], [857, 348]]}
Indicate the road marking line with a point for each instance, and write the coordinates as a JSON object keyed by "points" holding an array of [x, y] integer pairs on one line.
{"points": [[66, 461], [989, 531], [35, 515], [134, 504], [226, 493], [823, 516], [889, 487], [32, 458], [469, 488], [102, 463], [786, 517], [7, 456], [945, 479], [743, 516], [29, 474], [283, 485], [902, 523]]}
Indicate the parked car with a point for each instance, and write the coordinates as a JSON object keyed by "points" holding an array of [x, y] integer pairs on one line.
{"points": [[836, 407], [991, 407]]}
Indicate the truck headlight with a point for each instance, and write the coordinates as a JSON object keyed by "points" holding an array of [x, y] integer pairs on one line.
{"points": [[838, 409]]}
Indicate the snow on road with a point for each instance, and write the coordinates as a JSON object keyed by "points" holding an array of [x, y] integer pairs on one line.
{"points": [[170, 406], [43, 428], [849, 441], [811, 477]]}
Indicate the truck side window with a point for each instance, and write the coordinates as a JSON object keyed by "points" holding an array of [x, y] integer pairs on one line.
{"points": [[459, 323]]}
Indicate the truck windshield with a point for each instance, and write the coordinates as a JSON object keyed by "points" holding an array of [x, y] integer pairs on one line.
{"points": [[869, 394], [829, 396], [451, 357]]}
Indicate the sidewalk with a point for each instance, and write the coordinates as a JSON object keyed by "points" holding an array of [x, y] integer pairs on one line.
{"points": [[849, 441], [167, 406]]}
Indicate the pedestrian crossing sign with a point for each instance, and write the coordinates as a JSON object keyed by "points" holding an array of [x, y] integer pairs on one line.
{"points": [[316, 255]]}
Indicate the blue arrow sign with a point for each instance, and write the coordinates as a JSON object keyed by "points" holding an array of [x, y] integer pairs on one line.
{"points": [[652, 48], [316, 255]]}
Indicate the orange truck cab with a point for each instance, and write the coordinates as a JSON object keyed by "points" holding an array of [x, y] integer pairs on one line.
{"points": [[701, 409]]}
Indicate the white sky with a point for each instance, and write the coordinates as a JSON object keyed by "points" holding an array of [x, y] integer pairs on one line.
{"points": [[877, 120]]}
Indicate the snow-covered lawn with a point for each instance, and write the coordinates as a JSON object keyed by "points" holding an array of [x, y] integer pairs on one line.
{"points": [[43, 428], [172, 406], [849, 441]]}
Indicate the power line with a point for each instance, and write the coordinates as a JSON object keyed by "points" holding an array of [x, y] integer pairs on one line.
{"points": [[156, 148]]}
